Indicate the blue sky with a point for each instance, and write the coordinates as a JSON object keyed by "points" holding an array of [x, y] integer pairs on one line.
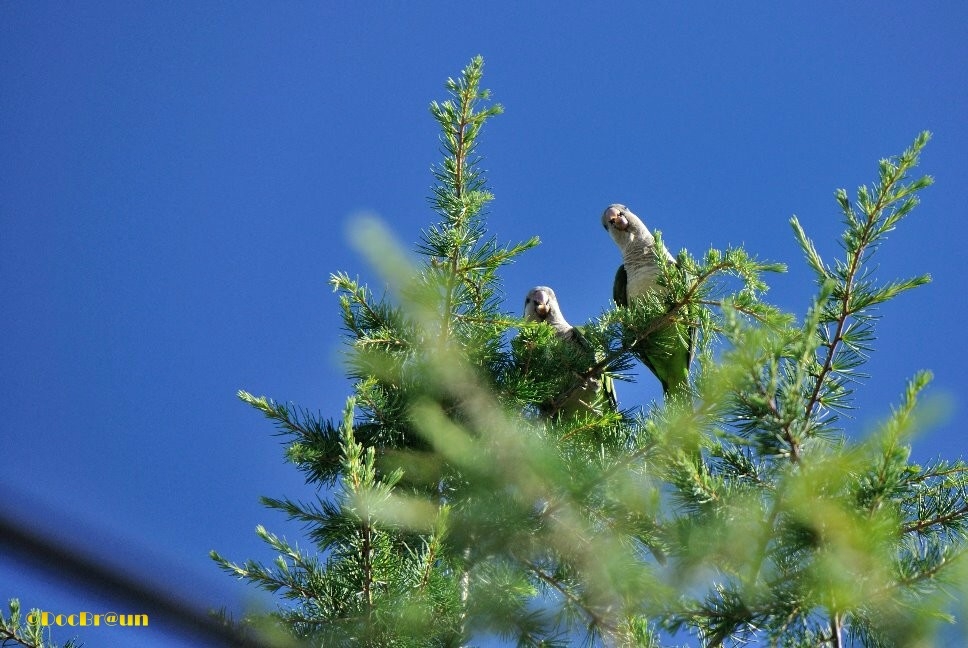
{"points": [[177, 179]]}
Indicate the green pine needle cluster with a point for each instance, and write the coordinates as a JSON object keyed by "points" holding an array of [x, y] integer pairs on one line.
{"points": [[19, 629], [448, 507]]}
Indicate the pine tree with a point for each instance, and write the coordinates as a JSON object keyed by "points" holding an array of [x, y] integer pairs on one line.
{"points": [[447, 508]]}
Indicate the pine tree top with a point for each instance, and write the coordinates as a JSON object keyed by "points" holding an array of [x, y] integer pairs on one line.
{"points": [[450, 505]]}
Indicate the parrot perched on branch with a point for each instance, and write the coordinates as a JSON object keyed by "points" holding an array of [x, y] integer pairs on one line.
{"points": [[668, 350], [585, 394]]}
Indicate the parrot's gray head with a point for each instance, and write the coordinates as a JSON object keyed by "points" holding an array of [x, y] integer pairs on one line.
{"points": [[541, 305], [622, 225], [615, 217]]}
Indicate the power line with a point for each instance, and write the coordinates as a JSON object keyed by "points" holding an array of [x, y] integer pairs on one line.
{"points": [[68, 563]]}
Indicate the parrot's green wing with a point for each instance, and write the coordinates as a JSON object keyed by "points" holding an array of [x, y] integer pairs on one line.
{"points": [[671, 366], [620, 287], [670, 362], [620, 295]]}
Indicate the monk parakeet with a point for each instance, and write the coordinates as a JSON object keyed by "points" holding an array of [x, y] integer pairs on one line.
{"points": [[668, 351], [541, 305]]}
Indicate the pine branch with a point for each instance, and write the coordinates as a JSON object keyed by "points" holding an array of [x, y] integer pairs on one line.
{"points": [[25, 631], [266, 579], [835, 631], [940, 520], [434, 547], [860, 239], [594, 619], [456, 197]]}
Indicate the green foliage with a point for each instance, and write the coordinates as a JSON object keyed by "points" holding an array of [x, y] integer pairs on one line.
{"points": [[373, 584], [26, 630], [449, 507]]}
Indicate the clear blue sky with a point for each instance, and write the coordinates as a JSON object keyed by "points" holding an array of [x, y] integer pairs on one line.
{"points": [[176, 180]]}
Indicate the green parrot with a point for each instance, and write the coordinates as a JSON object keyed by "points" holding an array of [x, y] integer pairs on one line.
{"points": [[669, 358], [541, 305]]}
